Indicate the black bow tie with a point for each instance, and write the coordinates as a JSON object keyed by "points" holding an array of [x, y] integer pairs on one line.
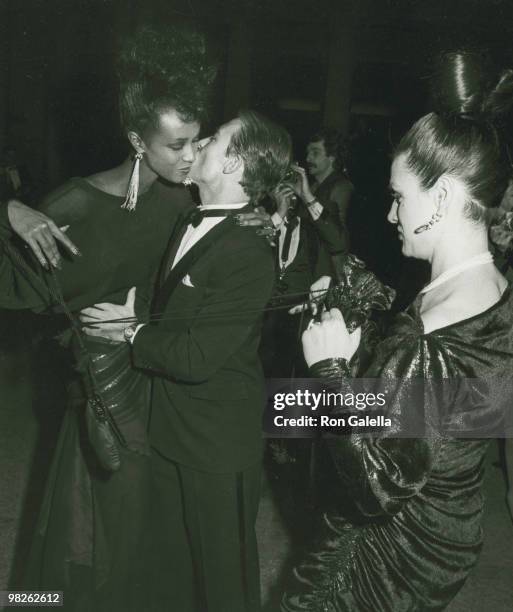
{"points": [[196, 216]]}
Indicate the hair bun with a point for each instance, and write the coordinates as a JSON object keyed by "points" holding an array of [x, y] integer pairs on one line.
{"points": [[499, 101], [461, 82], [164, 67], [166, 52]]}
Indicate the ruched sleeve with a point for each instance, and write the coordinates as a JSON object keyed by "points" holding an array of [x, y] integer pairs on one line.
{"points": [[381, 472]]}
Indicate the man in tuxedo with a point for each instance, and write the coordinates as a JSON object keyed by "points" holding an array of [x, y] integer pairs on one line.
{"points": [[208, 392]]}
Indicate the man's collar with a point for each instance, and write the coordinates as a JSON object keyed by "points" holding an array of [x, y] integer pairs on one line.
{"points": [[214, 206]]}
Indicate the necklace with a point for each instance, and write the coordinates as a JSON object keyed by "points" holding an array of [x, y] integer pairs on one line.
{"points": [[478, 260]]}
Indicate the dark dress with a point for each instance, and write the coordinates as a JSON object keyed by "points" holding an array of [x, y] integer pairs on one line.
{"points": [[91, 536], [415, 532]]}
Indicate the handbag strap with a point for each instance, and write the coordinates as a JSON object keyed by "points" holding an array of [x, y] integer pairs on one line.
{"points": [[86, 365]]}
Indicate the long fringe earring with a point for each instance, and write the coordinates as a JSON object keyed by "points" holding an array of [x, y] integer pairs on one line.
{"points": [[427, 226], [133, 185]]}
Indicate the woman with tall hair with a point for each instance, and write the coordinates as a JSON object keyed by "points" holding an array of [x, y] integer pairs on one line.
{"points": [[92, 533], [417, 505]]}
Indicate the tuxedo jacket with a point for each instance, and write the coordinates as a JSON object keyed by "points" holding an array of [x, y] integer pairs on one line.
{"points": [[208, 391]]}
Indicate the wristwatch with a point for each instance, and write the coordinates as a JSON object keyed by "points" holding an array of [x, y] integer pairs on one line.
{"points": [[129, 332]]}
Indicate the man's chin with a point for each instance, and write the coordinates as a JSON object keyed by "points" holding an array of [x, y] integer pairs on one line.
{"points": [[192, 177]]}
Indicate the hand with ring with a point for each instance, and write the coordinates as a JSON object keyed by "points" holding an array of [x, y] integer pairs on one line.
{"points": [[40, 233], [260, 219]]}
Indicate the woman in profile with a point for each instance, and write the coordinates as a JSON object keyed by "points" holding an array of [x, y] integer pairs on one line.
{"points": [[418, 500], [92, 531]]}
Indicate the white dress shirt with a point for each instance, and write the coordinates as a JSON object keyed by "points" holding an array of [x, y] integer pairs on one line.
{"points": [[279, 224], [194, 234]]}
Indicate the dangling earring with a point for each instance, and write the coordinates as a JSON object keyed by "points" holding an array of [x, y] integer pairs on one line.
{"points": [[133, 185], [427, 226]]}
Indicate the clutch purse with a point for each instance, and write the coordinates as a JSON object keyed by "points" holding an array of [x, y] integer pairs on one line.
{"points": [[101, 435]]}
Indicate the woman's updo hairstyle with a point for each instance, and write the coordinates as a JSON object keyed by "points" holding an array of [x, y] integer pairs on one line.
{"points": [[466, 137], [161, 69]]}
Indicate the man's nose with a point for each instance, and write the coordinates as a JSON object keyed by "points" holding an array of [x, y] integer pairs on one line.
{"points": [[189, 152], [392, 213]]}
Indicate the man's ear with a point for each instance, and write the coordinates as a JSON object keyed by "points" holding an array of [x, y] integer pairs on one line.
{"points": [[333, 160], [232, 164], [136, 142]]}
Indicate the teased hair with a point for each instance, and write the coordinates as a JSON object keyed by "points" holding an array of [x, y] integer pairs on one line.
{"points": [[163, 69], [466, 136], [266, 150]]}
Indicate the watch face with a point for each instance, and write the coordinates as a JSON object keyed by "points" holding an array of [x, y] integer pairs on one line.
{"points": [[129, 333]]}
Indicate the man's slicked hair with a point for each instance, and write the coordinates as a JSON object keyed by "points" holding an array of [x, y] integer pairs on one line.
{"points": [[266, 150]]}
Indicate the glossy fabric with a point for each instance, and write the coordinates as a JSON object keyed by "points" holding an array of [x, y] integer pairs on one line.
{"points": [[418, 503]]}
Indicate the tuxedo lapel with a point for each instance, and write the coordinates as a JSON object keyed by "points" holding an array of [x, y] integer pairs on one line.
{"points": [[187, 261], [172, 247]]}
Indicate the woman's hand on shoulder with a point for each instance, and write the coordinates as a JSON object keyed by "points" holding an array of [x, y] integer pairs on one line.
{"points": [[40, 233], [261, 220], [329, 338]]}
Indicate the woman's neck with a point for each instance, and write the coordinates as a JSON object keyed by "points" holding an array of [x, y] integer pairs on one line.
{"points": [[115, 181], [457, 248]]}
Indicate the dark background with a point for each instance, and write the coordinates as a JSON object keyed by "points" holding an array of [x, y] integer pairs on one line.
{"points": [[360, 65]]}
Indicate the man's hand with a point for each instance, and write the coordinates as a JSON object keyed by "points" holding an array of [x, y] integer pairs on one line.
{"points": [[302, 187], [39, 232], [93, 318], [329, 339], [283, 195]]}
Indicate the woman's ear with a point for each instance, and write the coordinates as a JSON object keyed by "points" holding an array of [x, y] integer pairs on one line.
{"points": [[443, 192], [136, 142]]}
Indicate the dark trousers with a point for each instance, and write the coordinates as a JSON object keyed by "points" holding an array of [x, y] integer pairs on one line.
{"points": [[205, 557]]}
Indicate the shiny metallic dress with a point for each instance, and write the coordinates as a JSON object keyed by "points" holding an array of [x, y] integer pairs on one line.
{"points": [[416, 531]]}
